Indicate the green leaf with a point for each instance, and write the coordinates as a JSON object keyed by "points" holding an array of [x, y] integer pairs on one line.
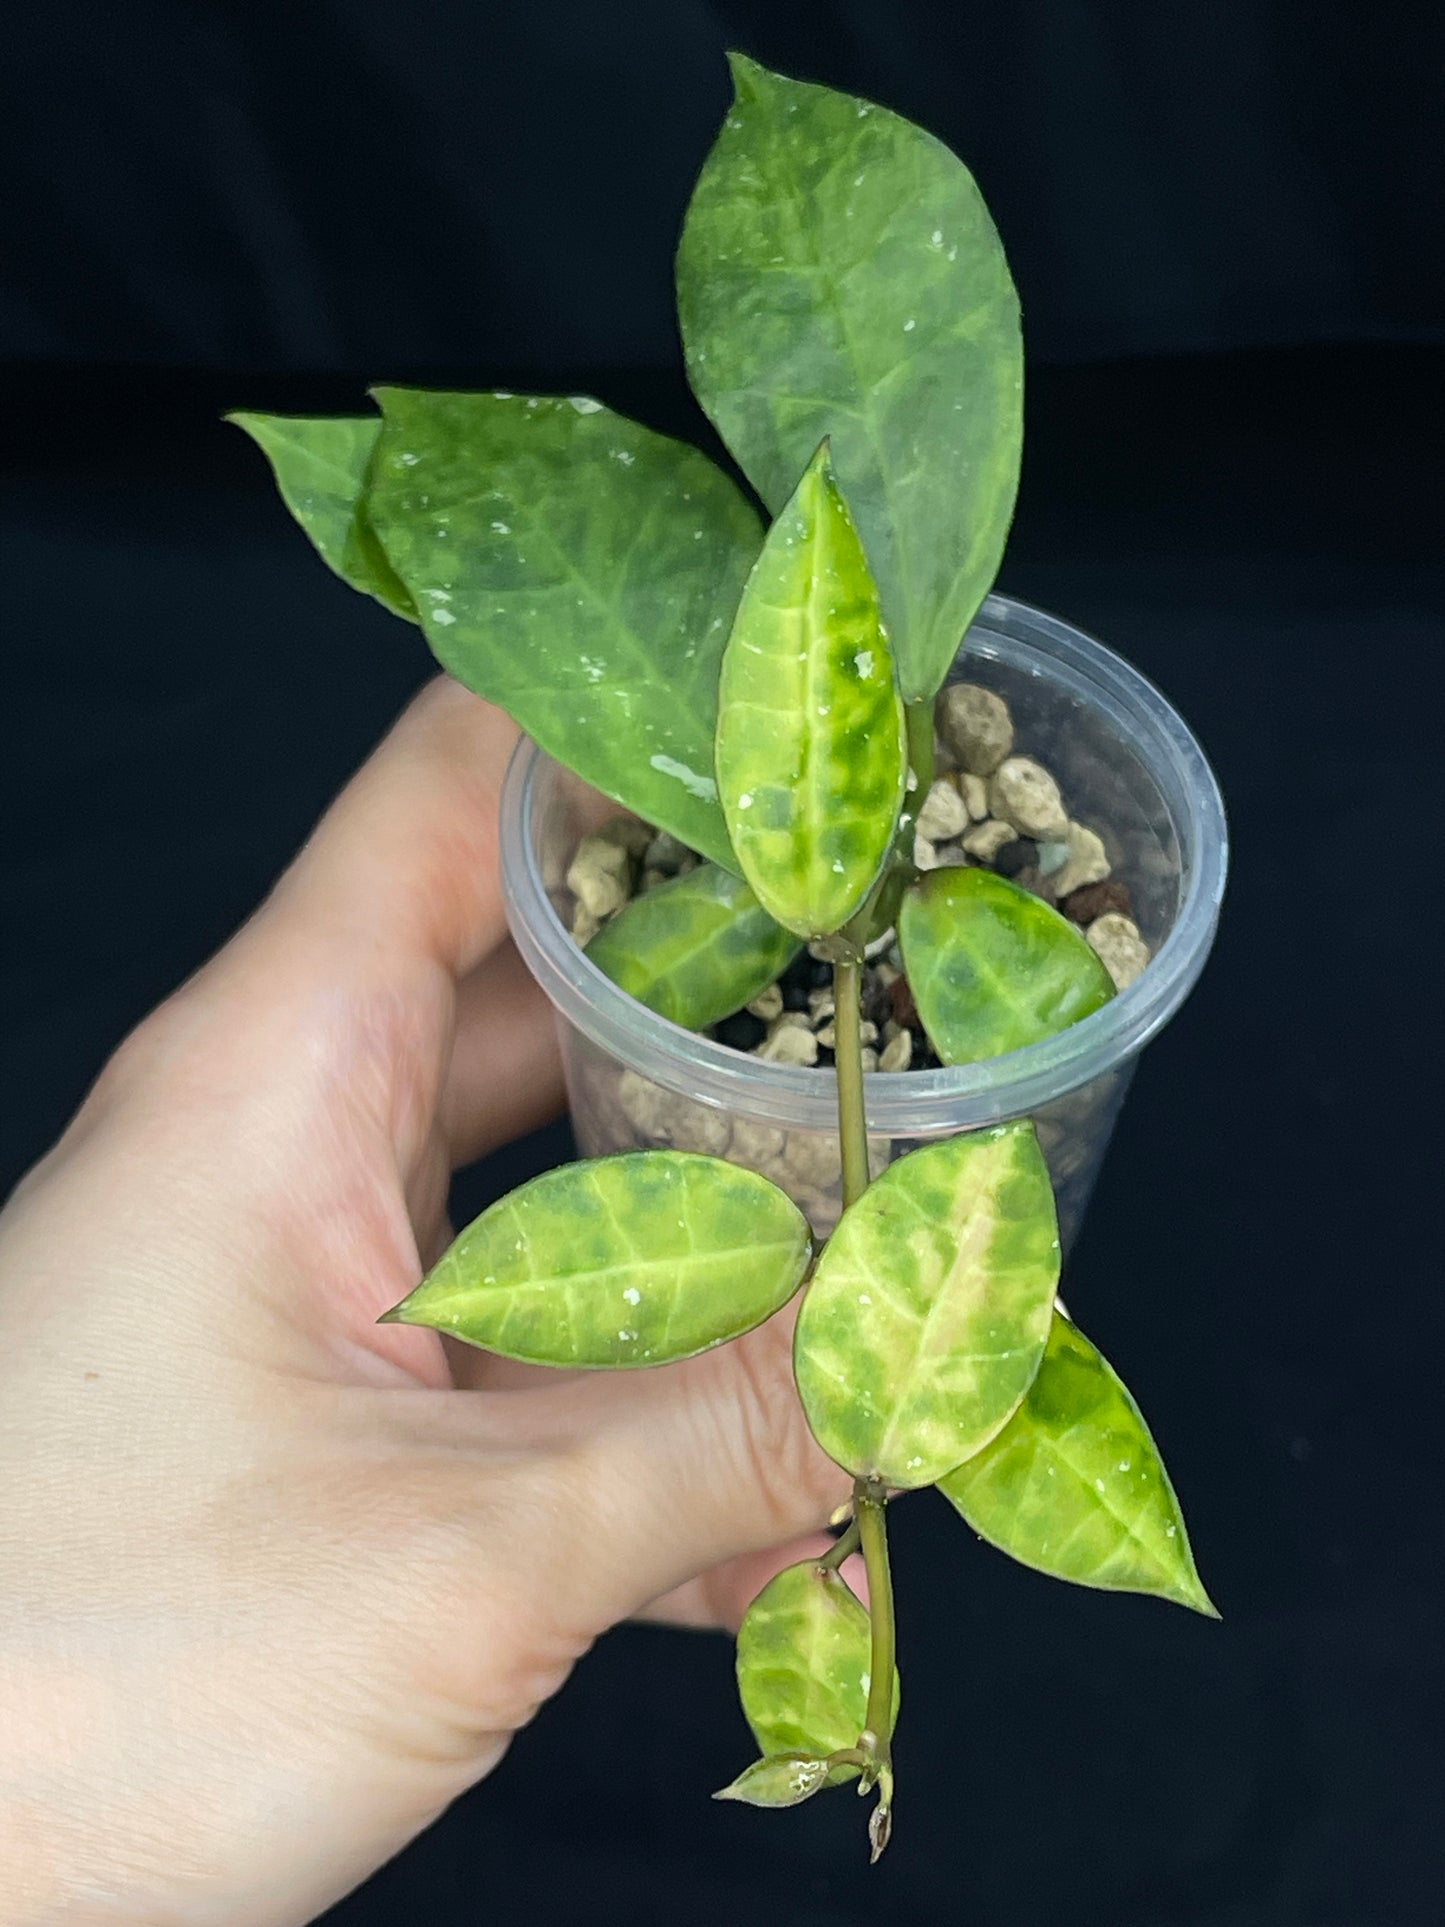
{"points": [[628, 1260], [804, 1650], [785, 1781], [810, 735], [320, 463], [839, 275], [1074, 1485], [993, 968], [579, 571], [929, 1309], [695, 948]]}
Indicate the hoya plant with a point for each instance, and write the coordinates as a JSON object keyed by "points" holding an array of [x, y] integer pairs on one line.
{"points": [[761, 686]]}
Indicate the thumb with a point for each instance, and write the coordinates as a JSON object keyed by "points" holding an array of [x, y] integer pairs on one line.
{"points": [[684, 1468]]}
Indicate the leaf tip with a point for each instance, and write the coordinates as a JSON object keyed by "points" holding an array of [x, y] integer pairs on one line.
{"points": [[1197, 1600], [748, 75]]}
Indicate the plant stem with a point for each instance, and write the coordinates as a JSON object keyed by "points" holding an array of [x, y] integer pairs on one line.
{"points": [[848, 1057], [873, 1531], [918, 718], [843, 1547]]}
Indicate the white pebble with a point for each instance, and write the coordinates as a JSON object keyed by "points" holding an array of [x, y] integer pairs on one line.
{"points": [[944, 813], [1023, 793], [897, 1053], [768, 1003], [974, 792], [975, 726], [1122, 951], [985, 840], [1088, 862], [600, 876]]}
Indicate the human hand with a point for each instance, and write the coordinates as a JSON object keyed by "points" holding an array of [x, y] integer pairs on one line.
{"points": [[278, 1583]]}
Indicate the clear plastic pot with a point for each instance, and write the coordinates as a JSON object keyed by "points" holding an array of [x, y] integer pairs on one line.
{"points": [[1127, 766]]}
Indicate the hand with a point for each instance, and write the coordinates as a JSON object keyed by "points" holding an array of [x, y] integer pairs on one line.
{"points": [[278, 1583]]}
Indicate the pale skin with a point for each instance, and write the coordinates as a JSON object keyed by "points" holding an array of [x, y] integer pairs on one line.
{"points": [[278, 1583]]}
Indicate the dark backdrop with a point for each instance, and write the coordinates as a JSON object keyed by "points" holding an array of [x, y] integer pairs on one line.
{"points": [[1220, 217]]}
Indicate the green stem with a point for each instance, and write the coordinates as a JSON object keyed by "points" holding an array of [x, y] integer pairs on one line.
{"points": [[848, 1057], [843, 1547], [918, 719], [873, 1532]]}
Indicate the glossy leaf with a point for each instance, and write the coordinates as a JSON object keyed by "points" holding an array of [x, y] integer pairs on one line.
{"points": [[1074, 1485], [581, 572], [694, 949], [929, 1308], [802, 1663], [839, 275], [629, 1260], [320, 463], [991, 967], [810, 735], [783, 1781]]}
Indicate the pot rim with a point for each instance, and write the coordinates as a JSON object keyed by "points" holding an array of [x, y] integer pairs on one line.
{"points": [[911, 1103]]}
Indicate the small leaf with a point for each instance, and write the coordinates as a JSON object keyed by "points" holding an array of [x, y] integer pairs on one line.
{"points": [[321, 465], [785, 1781], [839, 275], [804, 1650], [1074, 1485], [579, 571], [991, 967], [694, 949], [620, 1261], [929, 1308], [810, 736]]}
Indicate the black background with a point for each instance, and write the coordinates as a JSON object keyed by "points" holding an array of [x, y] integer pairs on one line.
{"points": [[1220, 217]]}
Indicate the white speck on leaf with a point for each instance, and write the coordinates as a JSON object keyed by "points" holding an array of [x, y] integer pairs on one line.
{"points": [[585, 405], [745, 801], [909, 326], [695, 785], [632, 1295], [444, 617], [409, 459], [937, 237], [1098, 1485], [502, 528], [863, 662]]}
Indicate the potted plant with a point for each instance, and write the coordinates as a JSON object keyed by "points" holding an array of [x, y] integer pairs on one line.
{"points": [[825, 1025]]}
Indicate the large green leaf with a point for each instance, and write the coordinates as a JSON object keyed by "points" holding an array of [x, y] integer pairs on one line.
{"points": [[629, 1260], [810, 734], [1074, 1485], [929, 1309], [320, 463], [578, 570], [992, 967], [839, 275], [695, 948], [804, 1651]]}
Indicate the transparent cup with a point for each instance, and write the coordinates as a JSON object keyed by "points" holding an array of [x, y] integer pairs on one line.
{"points": [[1127, 766]]}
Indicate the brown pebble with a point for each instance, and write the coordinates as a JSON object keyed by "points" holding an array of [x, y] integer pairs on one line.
{"points": [[905, 1011], [1092, 900], [1036, 883]]}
